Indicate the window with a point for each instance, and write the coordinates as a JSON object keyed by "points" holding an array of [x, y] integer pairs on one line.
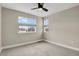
{"points": [[26, 25], [45, 25]]}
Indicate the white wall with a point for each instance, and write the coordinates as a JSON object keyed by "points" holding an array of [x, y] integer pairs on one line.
{"points": [[64, 27], [10, 28], [0, 28]]}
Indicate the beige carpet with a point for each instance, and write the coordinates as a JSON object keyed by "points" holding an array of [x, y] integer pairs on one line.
{"points": [[39, 49]]}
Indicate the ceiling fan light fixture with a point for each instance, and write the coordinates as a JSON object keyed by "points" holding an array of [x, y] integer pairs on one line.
{"points": [[40, 9]]}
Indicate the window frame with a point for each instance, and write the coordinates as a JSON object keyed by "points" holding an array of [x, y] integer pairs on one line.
{"points": [[25, 25], [45, 26]]}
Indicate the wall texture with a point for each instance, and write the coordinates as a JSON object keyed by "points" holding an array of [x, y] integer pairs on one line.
{"points": [[0, 28], [10, 34], [64, 27]]}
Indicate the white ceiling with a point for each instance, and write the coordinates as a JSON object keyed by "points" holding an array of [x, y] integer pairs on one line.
{"points": [[52, 7]]}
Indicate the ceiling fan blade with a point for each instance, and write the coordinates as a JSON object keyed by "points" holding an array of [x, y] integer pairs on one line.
{"points": [[34, 8], [45, 9], [42, 4]]}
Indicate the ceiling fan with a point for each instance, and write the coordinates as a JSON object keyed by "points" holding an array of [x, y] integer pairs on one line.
{"points": [[40, 7]]}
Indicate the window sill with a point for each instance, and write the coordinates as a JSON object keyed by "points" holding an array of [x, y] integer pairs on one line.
{"points": [[25, 32]]}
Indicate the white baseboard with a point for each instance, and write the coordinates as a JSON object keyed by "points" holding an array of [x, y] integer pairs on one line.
{"points": [[65, 46], [26, 43], [20, 44]]}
